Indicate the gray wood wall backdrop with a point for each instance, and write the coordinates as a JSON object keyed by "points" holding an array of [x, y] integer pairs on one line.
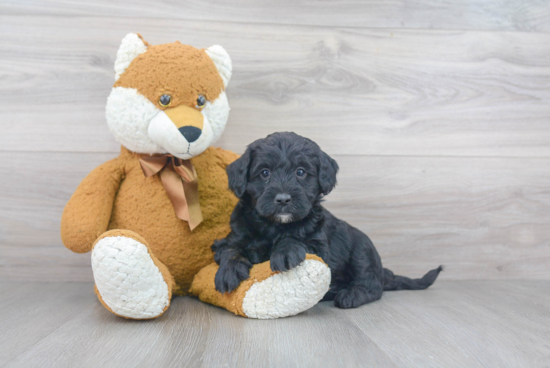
{"points": [[437, 111]]}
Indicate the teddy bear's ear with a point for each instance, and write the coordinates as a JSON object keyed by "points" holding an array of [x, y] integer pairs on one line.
{"points": [[221, 59], [131, 46]]}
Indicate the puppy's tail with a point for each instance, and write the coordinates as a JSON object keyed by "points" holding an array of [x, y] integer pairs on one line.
{"points": [[393, 282]]}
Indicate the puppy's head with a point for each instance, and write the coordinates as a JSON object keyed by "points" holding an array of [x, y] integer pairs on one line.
{"points": [[283, 174]]}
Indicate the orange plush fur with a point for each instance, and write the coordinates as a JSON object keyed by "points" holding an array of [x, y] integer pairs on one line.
{"points": [[117, 195], [182, 71]]}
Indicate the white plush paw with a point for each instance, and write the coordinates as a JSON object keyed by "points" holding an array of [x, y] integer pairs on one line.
{"points": [[127, 278], [288, 293]]}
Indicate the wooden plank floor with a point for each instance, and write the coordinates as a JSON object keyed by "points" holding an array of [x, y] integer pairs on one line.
{"points": [[437, 112], [453, 324], [525, 15], [490, 224], [441, 134], [356, 91]]}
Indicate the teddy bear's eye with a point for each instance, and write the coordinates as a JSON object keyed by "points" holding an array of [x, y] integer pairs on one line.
{"points": [[165, 100], [201, 101]]}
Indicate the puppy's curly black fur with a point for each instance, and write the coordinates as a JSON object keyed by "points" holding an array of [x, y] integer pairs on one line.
{"points": [[280, 181]]}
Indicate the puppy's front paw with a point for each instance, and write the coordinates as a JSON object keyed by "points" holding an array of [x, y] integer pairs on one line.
{"points": [[230, 274], [287, 256]]}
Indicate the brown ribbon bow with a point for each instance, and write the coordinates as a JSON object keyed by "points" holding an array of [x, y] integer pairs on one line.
{"points": [[180, 182]]}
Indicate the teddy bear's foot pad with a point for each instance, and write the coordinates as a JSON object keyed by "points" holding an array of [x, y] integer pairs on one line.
{"points": [[127, 279], [288, 293]]}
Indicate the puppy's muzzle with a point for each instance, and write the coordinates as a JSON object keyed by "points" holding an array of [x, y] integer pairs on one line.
{"points": [[282, 199]]}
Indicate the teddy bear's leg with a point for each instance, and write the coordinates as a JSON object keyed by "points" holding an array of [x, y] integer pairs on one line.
{"points": [[267, 294], [129, 280]]}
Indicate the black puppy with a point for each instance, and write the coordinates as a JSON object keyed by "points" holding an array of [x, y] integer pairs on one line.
{"points": [[280, 181]]}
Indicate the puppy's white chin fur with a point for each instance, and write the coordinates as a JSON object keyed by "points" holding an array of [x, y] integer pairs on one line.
{"points": [[284, 218]]}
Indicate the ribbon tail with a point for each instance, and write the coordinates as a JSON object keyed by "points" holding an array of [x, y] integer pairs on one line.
{"points": [[180, 182], [173, 186], [191, 190]]}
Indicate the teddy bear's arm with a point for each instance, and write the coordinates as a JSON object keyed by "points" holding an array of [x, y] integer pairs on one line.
{"points": [[88, 212]]}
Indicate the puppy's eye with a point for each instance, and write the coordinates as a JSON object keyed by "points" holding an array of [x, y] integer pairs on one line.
{"points": [[165, 100], [300, 173], [201, 101], [265, 173]]}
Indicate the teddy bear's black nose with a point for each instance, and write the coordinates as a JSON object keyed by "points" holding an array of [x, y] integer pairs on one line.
{"points": [[190, 133]]}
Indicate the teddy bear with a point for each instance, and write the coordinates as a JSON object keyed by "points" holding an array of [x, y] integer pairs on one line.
{"points": [[150, 216]]}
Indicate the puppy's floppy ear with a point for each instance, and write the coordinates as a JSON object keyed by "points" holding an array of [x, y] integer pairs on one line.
{"points": [[237, 173], [327, 173]]}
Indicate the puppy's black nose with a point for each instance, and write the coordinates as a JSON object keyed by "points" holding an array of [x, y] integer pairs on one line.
{"points": [[190, 133], [282, 199]]}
